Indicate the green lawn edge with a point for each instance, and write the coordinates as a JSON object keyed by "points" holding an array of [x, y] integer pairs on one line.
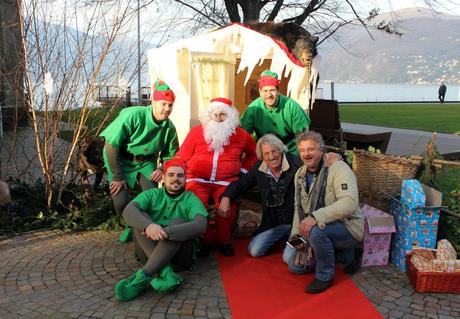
{"points": [[431, 117]]}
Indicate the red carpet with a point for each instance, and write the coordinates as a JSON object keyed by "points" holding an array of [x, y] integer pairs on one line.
{"points": [[264, 288]]}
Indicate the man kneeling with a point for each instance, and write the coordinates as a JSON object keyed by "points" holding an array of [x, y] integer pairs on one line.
{"points": [[165, 222], [326, 211]]}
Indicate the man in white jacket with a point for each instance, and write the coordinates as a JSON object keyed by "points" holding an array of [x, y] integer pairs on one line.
{"points": [[326, 212]]}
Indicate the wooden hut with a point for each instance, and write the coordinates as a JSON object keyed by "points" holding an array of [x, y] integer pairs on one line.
{"points": [[226, 62]]}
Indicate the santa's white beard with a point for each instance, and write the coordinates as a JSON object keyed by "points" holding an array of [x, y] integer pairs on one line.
{"points": [[217, 134]]}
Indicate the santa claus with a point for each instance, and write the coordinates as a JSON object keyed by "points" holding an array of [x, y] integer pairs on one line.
{"points": [[216, 153]]}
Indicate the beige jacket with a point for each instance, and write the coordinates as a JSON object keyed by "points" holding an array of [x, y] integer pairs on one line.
{"points": [[341, 200]]}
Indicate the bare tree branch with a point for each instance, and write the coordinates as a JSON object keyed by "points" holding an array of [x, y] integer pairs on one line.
{"points": [[313, 6], [197, 11], [358, 17], [276, 9], [207, 13]]}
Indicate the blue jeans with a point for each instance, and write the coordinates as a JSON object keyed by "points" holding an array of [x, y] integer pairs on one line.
{"points": [[325, 242], [261, 243]]}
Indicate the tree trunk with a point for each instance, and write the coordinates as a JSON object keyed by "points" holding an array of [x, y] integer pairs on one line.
{"points": [[251, 10]]}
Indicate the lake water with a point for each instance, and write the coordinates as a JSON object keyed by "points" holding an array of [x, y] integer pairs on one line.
{"points": [[345, 92]]}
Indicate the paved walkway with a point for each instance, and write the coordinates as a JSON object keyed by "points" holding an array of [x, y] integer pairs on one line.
{"points": [[51, 274], [408, 142]]}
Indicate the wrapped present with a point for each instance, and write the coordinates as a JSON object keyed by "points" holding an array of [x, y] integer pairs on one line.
{"points": [[443, 259], [445, 250], [377, 236], [425, 253], [412, 193], [415, 226]]}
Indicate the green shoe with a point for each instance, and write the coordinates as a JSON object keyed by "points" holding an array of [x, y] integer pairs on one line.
{"points": [[129, 289], [167, 280], [126, 235]]}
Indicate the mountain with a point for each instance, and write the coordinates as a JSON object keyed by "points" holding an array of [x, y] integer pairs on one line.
{"points": [[426, 53]]}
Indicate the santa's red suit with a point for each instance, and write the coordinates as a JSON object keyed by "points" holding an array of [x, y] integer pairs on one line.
{"points": [[209, 172]]}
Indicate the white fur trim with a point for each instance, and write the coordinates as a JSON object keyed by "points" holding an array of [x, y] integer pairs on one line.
{"points": [[218, 104]]}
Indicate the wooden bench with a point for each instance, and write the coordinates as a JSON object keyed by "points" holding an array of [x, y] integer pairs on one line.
{"points": [[363, 140], [454, 156]]}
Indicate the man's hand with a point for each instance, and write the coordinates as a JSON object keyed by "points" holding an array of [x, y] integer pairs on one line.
{"points": [[116, 186], [224, 207], [306, 225], [331, 158], [157, 175], [155, 232]]}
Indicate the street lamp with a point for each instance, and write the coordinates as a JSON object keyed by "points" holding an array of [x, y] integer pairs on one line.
{"points": [[139, 52]]}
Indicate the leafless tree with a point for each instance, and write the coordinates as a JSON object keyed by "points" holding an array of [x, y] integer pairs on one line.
{"points": [[71, 48], [322, 17]]}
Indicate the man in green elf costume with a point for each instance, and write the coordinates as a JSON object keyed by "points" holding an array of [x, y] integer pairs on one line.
{"points": [[275, 113], [133, 143], [165, 222]]}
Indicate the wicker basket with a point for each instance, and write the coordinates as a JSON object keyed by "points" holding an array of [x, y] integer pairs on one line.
{"points": [[432, 281], [379, 176]]}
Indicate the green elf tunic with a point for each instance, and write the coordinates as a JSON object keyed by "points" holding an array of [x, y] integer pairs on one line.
{"points": [[163, 208], [135, 131], [284, 120]]}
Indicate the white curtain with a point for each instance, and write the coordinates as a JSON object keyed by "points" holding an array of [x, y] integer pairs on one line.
{"points": [[212, 76]]}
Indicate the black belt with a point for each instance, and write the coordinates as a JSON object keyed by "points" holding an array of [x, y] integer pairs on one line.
{"points": [[137, 158]]}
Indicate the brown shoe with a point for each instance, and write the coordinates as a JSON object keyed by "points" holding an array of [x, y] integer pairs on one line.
{"points": [[318, 286]]}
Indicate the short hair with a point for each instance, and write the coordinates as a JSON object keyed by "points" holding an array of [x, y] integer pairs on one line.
{"points": [[273, 141], [311, 135]]}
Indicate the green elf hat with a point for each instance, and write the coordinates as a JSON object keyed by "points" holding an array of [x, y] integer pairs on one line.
{"points": [[268, 78], [162, 92]]}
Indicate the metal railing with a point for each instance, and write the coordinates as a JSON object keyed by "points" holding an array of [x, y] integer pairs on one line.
{"points": [[110, 94]]}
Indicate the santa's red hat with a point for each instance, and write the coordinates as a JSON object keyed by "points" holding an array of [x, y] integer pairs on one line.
{"points": [[219, 101], [162, 92]]}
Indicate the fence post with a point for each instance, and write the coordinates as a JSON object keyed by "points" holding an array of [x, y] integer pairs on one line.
{"points": [[128, 96]]}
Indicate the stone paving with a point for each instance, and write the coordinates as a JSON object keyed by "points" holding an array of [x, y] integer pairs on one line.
{"points": [[50, 274], [57, 275]]}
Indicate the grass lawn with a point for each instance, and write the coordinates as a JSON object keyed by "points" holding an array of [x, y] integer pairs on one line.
{"points": [[95, 117], [433, 117], [448, 179]]}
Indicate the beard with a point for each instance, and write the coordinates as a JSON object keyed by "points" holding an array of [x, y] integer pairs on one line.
{"points": [[175, 188], [217, 134]]}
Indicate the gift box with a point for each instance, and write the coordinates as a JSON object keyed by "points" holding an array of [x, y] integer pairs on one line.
{"points": [[377, 236], [412, 193], [415, 226]]}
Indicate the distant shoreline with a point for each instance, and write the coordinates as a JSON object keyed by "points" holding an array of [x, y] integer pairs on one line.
{"points": [[385, 93], [397, 102]]}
